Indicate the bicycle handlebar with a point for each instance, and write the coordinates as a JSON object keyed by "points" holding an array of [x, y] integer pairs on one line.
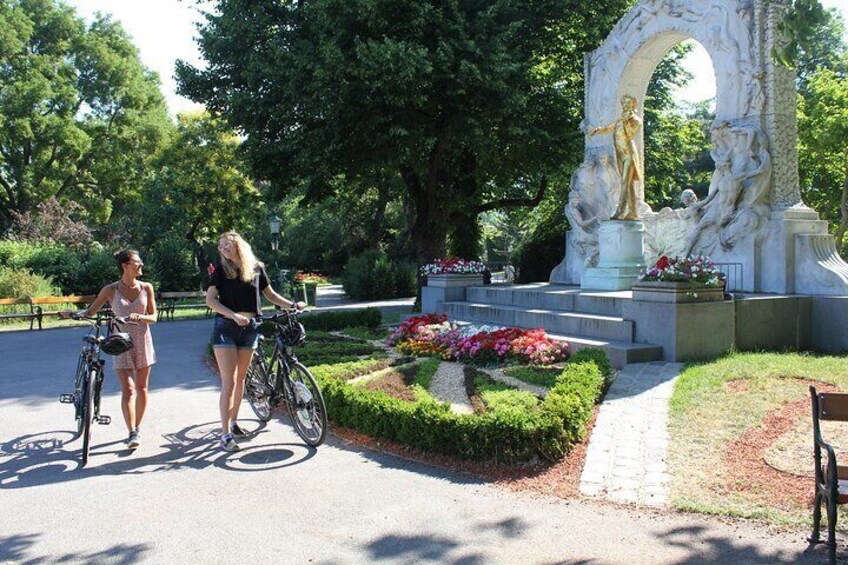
{"points": [[100, 316], [284, 313]]}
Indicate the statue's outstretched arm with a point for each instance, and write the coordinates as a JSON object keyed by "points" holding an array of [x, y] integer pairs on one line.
{"points": [[602, 130]]}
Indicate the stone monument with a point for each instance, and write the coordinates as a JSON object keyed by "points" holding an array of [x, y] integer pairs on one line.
{"points": [[753, 216]]}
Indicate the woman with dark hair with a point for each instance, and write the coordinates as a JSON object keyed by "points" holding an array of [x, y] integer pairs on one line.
{"points": [[234, 291], [135, 300]]}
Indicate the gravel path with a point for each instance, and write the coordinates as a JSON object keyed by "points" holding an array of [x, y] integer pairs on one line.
{"points": [[448, 385]]}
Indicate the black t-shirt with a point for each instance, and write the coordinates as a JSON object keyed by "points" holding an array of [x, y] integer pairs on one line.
{"points": [[236, 294]]}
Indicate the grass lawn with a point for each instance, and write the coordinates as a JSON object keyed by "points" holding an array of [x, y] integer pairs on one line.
{"points": [[741, 435]]}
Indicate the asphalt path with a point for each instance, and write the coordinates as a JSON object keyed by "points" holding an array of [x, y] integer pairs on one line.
{"points": [[179, 499]]}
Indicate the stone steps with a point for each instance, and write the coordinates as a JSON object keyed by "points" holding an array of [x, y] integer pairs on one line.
{"points": [[550, 297], [609, 328], [581, 318]]}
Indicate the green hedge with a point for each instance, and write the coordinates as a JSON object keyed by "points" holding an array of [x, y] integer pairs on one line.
{"points": [[333, 321], [509, 435]]}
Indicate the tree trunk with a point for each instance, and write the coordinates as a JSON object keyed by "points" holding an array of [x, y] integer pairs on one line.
{"points": [[843, 220], [465, 235]]}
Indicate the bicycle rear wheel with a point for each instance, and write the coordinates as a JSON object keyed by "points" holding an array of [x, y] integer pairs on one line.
{"points": [[258, 388], [87, 413], [306, 406]]}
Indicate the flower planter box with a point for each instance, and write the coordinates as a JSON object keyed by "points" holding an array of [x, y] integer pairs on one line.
{"points": [[676, 292], [454, 280]]}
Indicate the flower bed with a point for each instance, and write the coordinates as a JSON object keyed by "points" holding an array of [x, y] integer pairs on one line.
{"points": [[453, 267], [695, 270], [433, 334], [311, 277]]}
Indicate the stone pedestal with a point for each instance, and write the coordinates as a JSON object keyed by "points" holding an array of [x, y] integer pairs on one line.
{"points": [[620, 256], [446, 288]]}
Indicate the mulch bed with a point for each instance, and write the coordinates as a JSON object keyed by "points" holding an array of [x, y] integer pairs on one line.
{"points": [[745, 457]]}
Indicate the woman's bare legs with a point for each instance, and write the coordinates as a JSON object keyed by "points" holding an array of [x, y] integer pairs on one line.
{"points": [[244, 358], [128, 397], [142, 376], [227, 358]]}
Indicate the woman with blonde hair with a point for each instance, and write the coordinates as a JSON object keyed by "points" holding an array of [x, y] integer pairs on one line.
{"points": [[234, 294]]}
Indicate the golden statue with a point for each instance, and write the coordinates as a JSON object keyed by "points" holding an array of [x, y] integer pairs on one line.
{"points": [[624, 130]]}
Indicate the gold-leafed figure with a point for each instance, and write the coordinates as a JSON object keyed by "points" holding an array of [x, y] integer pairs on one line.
{"points": [[624, 130]]}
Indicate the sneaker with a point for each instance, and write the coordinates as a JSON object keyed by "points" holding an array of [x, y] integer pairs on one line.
{"points": [[134, 440], [228, 443], [237, 432]]}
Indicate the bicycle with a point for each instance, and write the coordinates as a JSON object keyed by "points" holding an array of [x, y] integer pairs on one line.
{"points": [[284, 379], [90, 374]]}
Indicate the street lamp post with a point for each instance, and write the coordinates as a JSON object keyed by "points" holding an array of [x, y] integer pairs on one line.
{"points": [[274, 224]]}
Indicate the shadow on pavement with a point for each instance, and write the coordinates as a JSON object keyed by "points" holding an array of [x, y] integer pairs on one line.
{"points": [[391, 461], [18, 549], [53, 457]]}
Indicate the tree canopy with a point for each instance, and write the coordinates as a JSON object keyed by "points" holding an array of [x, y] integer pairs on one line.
{"points": [[468, 102], [80, 115]]}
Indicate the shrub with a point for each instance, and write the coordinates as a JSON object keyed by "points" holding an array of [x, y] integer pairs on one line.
{"points": [[577, 389], [334, 321], [95, 272], [372, 275], [22, 283], [597, 356], [171, 263]]}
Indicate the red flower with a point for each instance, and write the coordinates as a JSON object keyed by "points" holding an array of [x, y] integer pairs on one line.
{"points": [[662, 263], [210, 269]]}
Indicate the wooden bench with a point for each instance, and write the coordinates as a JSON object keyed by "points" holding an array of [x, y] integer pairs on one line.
{"points": [[32, 315], [36, 307], [167, 303], [831, 478]]}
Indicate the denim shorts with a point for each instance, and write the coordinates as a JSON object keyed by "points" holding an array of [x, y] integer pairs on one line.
{"points": [[227, 333]]}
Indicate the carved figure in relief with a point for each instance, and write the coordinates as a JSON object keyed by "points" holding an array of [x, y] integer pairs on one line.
{"points": [[734, 206], [625, 131], [584, 233]]}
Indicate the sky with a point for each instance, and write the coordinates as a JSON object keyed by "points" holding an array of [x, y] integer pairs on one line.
{"points": [[164, 31]]}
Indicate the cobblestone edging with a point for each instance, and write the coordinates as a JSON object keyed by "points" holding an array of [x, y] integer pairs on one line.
{"points": [[626, 458]]}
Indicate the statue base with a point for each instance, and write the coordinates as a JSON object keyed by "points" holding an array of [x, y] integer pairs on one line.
{"points": [[621, 256]]}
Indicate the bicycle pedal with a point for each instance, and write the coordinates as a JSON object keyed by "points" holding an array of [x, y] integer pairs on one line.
{"points": [[66, 398], [104, 420]]}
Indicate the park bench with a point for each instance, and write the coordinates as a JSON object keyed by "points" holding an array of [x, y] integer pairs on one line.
{"points": [[831, 478], [37, 307], [169, 302]]}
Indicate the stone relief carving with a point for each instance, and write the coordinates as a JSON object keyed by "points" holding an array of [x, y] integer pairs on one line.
{"points": [[584, 228], [736, 203]]}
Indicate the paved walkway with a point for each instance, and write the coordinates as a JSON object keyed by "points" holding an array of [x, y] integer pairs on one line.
{"points": [[625, 461], [179, 499]]}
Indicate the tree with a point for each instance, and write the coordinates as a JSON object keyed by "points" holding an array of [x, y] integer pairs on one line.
{"points": [[200, 188], [823, 153], [79, 113], [463, 100]]}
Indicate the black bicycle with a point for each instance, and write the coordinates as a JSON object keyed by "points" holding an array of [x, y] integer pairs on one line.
{"points": [[90, 374], [282, 378]]}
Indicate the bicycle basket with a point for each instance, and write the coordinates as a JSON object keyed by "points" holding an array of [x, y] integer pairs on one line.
{"points": [[117, 343], [293, 333]]}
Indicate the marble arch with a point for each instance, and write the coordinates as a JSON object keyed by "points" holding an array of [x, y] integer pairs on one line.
{"points": [[754, 216]]}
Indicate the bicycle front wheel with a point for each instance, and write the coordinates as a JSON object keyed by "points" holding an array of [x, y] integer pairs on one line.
{"points": [[306, 406], [87, 413], [79, 395], [258, 389]]}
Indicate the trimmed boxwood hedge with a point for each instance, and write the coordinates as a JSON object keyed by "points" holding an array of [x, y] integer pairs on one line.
{"points": [[509, 436]]}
